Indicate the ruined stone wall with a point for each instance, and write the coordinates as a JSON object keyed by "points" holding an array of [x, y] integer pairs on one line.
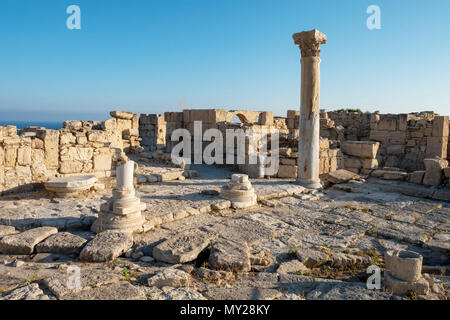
{"points": [[354, 125], [34, 155], [152, 131], [407, 139]]}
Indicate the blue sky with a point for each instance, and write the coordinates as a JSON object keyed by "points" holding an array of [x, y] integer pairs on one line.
{"points": [[153, 56]]}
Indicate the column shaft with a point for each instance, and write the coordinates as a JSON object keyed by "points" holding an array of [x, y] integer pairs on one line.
{"points": [[308, 144]]}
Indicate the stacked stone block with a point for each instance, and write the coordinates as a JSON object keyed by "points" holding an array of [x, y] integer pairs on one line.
{"points": [[127, 124], [293, 121], [360, 156], [153, 131], [36, 154]]}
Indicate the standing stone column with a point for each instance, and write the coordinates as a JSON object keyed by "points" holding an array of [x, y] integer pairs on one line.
{"points": [[123, 211], [308, 142]]}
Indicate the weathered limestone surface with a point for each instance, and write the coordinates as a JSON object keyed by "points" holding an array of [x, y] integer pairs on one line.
{"points": [[404, 265], [229, 255], [182, 248], [24, 243], [6, 230], [361, 149], [401, 287], [170, 277], [434, 171], [70, 184], [107, 246], [62, 242], [342, 176]]}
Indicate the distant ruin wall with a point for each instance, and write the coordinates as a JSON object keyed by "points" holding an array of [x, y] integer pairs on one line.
{"points": [[34, 155]]}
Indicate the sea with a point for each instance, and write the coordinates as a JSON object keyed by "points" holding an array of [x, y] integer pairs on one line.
{"points": [[55, 125]]}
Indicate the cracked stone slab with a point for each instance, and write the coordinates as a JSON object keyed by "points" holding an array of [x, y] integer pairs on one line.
{"points": [[30, 292], [170, 277], [91, 275], [243, 293], [62, 242], [70, 184], [122, 290], [182, 248], [6, 230], [348, 292], [24, 243], [293, 266], [312, 258], [106, 246], [229, 255], [170, 293]]}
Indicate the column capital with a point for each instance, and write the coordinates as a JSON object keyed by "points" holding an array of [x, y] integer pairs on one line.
{"points": [[309, 42]]}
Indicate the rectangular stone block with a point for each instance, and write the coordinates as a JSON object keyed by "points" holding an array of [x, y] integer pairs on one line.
{"points": [[387, 124], [10, 156], [288, 161], [286, 171], [220, 116], [174, 117], [369, 163], [434, 171], [23, 175], [292, 113], [351, 162], [437, 146], [135, 122], [51, 147], [71, 166], [417, 134], [24, 155], [102, 162], [397, 137], [38, 167], [266, 118], [416, 177], [403, 122], [440, 126], [395, 149], [123, 124], [361, 149], [110, 124], [66, 138], [290, 122], [380, 136]]}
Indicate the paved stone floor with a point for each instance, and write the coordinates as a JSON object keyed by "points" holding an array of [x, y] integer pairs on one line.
{"points": [[298, 245]]}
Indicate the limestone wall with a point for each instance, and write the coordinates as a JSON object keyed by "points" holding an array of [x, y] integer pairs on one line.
{"points": [[34, 155]]}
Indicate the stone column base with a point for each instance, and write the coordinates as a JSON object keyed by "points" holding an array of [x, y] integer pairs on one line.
{"points": [[309, 184], [133, 222]]}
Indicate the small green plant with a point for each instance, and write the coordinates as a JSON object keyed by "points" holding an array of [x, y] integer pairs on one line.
{"points": [[126, 274], [205, 264], [292, 253], [299, 272], [349, 110], [411, 294]]}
